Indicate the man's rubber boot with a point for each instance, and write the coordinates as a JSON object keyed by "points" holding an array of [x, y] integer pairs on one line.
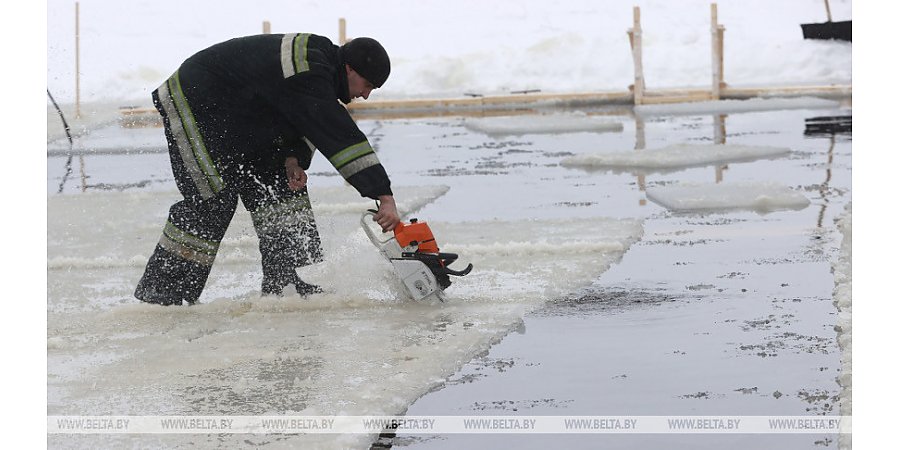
{"points": [[147, 295], [305, 289], [276, 285]]}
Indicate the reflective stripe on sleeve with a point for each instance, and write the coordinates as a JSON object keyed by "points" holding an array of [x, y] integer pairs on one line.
{"points": [[354, 159], [345, 156], [359, 165]]}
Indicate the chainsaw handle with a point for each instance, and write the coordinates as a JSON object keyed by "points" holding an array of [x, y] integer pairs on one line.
{"points": [[369, 232]]}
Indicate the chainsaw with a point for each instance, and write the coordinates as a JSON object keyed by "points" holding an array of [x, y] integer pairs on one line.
{"points": [[423, 270]]}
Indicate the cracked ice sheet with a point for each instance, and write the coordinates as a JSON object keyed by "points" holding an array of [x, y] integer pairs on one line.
{"points": [[358, 349], [673, 157], [755, 196]]}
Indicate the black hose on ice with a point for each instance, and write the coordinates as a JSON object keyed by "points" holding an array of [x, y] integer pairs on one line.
{"points": [[71, 143]]}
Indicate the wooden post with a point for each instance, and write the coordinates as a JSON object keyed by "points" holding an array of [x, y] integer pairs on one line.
{"points": [[267, 27], [828, 10], [342, 31], [77, 65], [635, 37], [721, 41], [716, 59]]}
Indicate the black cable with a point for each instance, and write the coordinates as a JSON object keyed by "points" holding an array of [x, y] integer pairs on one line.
{"points": [[71, 143]]}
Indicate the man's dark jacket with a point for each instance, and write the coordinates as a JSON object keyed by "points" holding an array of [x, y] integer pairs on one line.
{"points": [[263, 98]]}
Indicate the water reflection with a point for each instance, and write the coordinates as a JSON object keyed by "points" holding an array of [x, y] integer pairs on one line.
{"points": [[640, 143], [828, 127]]}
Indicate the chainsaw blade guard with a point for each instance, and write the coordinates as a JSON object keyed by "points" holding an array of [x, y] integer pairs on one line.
{"points": [[418, 280]]}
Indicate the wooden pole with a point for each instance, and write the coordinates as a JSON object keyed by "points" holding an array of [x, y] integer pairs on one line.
{"points": [[342, 31], [77, 65], [828, 10], [721, 41], [636, 53], [716, 60], [267, 27]]}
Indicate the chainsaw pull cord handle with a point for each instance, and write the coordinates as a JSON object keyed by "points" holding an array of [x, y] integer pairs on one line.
{"points": [[368, 229]]}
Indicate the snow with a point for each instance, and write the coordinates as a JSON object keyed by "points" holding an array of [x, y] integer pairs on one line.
{"points": [[472, 47], [756, 196], [673, 157]]}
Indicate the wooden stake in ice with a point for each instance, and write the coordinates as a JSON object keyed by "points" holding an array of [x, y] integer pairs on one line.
{"points": [[635, 38]]}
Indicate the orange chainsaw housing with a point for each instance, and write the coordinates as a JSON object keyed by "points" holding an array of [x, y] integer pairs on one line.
{"points": [[418, 232]]}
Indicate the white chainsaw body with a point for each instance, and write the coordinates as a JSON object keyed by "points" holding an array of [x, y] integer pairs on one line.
{"points": [[417, 279]]}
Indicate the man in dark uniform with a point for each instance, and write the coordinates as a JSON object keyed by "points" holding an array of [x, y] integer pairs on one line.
{"points": [[242, 120]]}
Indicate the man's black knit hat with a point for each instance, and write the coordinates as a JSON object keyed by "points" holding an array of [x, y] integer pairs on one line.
{"points": [[368, 58]]}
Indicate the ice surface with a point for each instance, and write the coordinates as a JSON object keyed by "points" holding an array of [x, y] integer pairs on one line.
{"points": [[360, 348], [109, 140], [843, 298], [541, 124], [674, 157], [756, 196]]}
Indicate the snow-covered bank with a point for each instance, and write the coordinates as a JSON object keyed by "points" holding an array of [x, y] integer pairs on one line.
{"points": [[128, 48]]}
